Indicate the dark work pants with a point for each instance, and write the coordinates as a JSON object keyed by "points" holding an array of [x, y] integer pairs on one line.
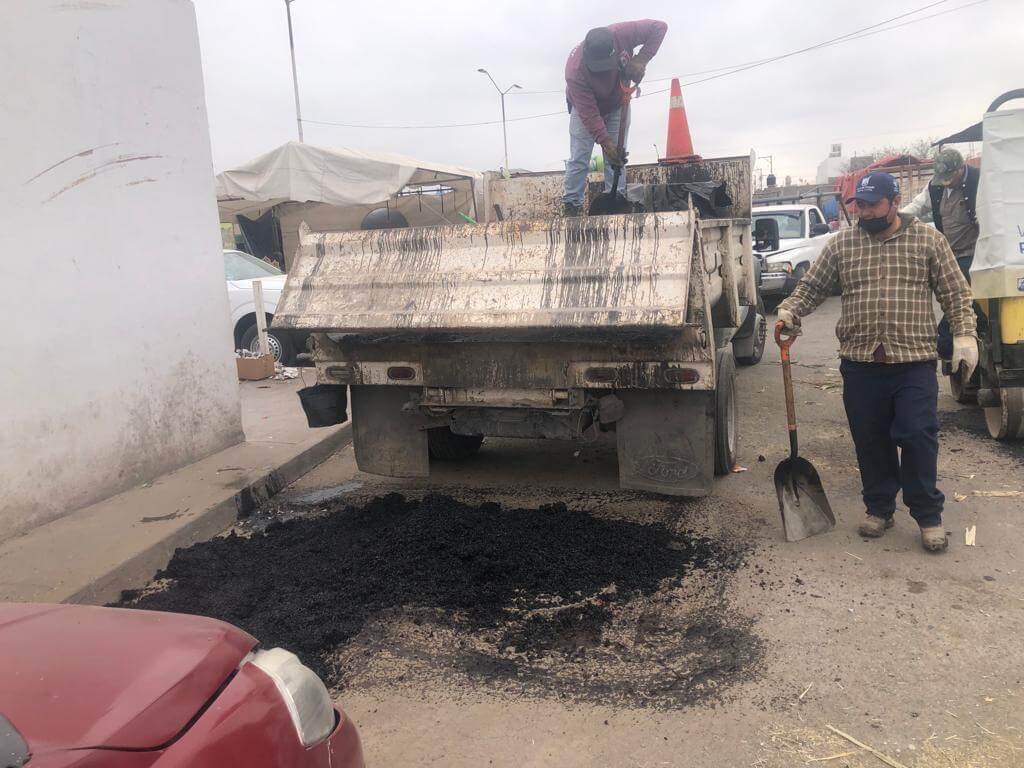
{"points": [[892, 410], [944, 342]]}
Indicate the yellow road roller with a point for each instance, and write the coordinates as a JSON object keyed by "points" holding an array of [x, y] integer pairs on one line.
{"points": [[997, 274]]}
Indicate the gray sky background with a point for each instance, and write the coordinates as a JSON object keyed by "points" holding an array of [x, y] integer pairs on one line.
{"points": [[394, 62]]}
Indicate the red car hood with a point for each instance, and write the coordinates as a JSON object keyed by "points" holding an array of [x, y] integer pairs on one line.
{"points": [[79, 676]]}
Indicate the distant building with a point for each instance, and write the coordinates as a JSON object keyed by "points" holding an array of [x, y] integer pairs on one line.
{"points": [[832, 167], [860, 162]]}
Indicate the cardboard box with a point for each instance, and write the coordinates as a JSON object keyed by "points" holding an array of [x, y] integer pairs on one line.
{"points": [[255, 368]]}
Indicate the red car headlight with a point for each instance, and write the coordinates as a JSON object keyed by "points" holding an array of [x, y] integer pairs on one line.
{"points": [[304, 694]]}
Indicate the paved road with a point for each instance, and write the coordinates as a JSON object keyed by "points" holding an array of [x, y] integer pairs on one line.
{"points": [[918, 655]]}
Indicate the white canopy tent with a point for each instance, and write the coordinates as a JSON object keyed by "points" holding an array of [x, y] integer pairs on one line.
{"points": [[303, 173], [335, 188]]}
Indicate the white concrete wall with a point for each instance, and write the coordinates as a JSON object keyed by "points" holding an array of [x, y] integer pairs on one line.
{"points": [[117, 361]]}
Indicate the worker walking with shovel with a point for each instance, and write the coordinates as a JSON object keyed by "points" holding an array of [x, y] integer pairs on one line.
{"points": [[887, 269]]}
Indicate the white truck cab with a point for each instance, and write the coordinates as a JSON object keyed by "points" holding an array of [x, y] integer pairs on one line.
{"points": [[802, 234]]}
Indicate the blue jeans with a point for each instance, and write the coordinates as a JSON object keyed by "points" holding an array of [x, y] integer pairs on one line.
{"points": [[577, 167], [893, 415]]}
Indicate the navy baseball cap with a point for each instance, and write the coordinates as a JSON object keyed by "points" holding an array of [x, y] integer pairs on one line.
{"points": [[874, 187]]}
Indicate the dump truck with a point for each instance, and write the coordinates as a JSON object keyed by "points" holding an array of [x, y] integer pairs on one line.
{"points": [[604, 327]]}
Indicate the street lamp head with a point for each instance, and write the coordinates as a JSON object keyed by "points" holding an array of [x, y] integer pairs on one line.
{"points": [[483, 71], [517, 86]]}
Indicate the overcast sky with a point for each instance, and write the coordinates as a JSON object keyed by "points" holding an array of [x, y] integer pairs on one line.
{"points": [[393, 62]]}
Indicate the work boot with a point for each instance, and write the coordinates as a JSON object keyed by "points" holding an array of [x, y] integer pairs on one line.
{"points": [[875, 526], [571, 209], [933, 539]]}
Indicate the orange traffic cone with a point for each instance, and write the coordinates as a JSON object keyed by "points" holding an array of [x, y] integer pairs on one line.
{"points": [[679, 147]]}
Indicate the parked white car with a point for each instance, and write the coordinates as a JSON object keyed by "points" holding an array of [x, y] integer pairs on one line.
{"points": [[240, 269], [803, 234]]}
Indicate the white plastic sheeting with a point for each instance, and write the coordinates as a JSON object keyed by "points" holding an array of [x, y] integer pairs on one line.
{"points": [[343, 177], [998, 269]]}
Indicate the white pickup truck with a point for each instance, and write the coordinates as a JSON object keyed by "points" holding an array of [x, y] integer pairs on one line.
{"points": [[802, 234]]}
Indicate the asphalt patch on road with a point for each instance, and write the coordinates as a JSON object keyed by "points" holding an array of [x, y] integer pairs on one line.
{"points": [[970, 419], [547, 601]]}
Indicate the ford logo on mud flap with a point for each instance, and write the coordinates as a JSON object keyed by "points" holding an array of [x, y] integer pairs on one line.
{"points": [[665, 469]]}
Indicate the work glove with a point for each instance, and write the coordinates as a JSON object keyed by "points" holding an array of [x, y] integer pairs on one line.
{"points": [[965, 351], [790, 322], [613, 156], [635, 69]]}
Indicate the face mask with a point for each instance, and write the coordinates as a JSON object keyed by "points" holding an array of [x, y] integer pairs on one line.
{"points": [[873, 226], [876, 225]]}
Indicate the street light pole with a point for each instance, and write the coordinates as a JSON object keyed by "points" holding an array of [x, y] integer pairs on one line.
{"points": [[504, 126], [295, 76]]}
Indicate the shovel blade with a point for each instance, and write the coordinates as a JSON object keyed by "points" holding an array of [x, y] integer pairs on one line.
{"points": [[802, 501]]}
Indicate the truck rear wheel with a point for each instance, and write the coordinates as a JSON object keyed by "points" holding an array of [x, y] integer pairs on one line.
{"points": [[726, 435], [750, 349], [445, 445]]}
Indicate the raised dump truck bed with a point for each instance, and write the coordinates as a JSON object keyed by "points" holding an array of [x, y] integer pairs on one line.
{"points": [[557, 328]]}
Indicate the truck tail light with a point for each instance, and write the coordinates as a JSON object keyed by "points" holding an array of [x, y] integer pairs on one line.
{"points": [[401, 373], [682, 376]]}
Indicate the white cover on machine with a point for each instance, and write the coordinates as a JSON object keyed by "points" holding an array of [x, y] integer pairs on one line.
{"points": [[304, 173], [998, 269]]}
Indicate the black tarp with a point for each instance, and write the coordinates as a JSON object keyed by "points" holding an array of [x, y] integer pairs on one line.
{"points": [[263, 237]]}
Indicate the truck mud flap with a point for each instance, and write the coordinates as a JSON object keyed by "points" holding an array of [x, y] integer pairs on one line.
{"points": [[666, 442], [387, 439]]}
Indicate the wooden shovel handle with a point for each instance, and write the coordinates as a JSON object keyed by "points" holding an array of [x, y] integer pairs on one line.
{"points": [[785, 342]]}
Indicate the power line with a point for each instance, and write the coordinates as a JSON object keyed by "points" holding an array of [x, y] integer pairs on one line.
{"points": [[858, 34], [850, 36], [855, 35]]}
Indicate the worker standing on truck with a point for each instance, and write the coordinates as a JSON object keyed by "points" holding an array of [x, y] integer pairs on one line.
{"points": [[887, 269], [951, 197], [595, 74]]}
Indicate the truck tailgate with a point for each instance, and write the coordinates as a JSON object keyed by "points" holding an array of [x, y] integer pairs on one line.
{"points": [[601, 272]]}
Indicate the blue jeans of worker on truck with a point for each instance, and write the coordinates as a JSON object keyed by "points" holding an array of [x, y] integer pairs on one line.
{"points": [[577, 167]]}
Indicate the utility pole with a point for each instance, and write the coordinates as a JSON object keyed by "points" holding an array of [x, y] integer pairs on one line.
{"points": [[295, 76], [504, 127]]}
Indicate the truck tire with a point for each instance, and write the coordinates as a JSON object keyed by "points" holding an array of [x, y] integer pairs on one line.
{"points": [[279, 343], [445, 445], [759, 333], [726, 435]]}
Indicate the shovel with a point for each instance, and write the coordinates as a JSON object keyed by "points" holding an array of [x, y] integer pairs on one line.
{"points": [[802, 501], [611, 203]]}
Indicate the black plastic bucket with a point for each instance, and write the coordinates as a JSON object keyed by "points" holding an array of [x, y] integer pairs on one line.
{"points": [[325, 404]]}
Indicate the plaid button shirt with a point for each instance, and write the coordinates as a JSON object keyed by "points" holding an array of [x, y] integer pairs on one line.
{"points": [[887, 289]]}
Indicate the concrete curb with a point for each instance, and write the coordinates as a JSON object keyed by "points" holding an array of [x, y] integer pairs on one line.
{"points": [[139, 570]]}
